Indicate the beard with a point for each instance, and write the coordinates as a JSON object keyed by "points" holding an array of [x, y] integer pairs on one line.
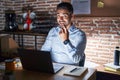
{"points": [[62, 24]]}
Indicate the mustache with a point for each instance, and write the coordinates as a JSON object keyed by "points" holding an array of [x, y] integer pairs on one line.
{"points": [[61, 21]]}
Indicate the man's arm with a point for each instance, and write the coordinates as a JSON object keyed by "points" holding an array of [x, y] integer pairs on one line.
{"points": [[75, 50], [48, 42]]}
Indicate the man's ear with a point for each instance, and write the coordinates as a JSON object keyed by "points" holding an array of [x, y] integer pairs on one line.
{"points": [[72, 17]]}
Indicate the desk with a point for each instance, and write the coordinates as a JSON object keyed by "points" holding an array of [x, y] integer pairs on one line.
{"points": [[21, 74], [101, 69], [106, 75], [20, 36]]}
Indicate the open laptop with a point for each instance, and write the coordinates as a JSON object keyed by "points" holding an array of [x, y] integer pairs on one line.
{"points": [[35, 60]]}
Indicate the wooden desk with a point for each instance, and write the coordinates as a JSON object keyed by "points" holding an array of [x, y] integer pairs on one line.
{"points": [[106, 75], [20, 74], [101, 69]]}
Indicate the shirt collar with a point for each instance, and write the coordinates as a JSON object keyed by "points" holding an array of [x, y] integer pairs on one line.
{"points": [[71, 29]]}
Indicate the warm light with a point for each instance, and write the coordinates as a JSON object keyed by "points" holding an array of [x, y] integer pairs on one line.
{"points": [[100, 4]]}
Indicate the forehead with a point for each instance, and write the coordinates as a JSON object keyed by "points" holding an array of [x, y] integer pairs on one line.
{"points": [[63, 11]]}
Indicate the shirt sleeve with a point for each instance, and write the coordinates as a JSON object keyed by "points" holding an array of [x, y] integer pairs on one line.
{"points": [[75, 51], [48, 42]]}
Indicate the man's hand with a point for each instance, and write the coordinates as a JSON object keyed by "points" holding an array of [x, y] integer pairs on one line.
{"points": [[64, 34]]}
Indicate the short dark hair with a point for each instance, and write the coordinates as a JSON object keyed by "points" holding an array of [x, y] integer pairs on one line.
{"points": [[66, 6]]}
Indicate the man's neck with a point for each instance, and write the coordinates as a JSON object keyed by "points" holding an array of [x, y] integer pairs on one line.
{"points": [[69, 26]]}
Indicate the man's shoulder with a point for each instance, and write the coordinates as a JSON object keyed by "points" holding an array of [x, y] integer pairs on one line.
{"points": [[54, 30], [77, 31]]}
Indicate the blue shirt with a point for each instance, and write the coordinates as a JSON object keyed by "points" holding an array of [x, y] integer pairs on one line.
{"points": [[70, 53]]}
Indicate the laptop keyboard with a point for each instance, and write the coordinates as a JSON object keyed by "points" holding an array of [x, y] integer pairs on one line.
{"points": [[57, 67]]}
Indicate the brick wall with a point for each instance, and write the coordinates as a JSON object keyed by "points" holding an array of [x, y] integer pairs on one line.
{"points": [[102, 32], [1, 14], [102, 37]]}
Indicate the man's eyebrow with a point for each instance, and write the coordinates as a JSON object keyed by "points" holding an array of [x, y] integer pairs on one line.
{"points": [[64, 13]]}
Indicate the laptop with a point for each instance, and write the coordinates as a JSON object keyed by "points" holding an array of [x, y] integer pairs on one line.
{"points": [[36, 60]]}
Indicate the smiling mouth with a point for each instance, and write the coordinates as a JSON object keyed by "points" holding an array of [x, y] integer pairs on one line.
{"points": [[62, 22]]}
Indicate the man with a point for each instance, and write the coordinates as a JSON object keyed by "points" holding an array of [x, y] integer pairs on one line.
{"points": [[66, 42]]}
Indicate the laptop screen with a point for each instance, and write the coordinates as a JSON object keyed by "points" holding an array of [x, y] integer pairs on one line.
{"points": [[36, 60]]}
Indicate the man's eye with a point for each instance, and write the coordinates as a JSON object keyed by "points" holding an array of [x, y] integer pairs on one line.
{"points": [[65, 16], [58, 16]]}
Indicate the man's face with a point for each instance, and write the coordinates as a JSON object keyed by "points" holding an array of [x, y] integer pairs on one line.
{"points": [[63, 18]]}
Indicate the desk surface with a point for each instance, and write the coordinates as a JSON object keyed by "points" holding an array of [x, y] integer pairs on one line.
{"points": [[101, 69], [21, 74]]}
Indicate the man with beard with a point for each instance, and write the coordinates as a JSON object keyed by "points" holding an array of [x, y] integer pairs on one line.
{"points": [[65, 42]]}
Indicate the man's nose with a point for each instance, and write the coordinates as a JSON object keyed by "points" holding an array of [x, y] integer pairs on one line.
{"points": [[61, 17]]}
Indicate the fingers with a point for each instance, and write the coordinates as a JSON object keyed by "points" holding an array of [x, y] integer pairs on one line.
{"points": [[64, 33], [64, 29], [61, 31]]}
